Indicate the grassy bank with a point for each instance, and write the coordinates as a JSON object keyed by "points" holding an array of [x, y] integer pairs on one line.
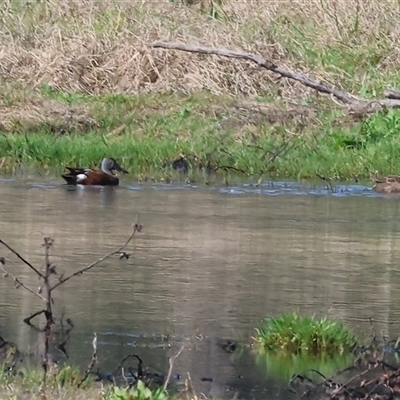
{"points": [[63, 384], [80, 80]]}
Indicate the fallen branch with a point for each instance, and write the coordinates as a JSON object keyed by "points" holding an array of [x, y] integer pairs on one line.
{"points": [[392, 94], [262, 62], [343, 96]]}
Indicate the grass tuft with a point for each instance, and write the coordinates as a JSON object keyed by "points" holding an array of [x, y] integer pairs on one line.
{"points": [[293, 334]]}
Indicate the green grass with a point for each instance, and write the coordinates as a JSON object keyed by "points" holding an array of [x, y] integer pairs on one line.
{"points": [[60, 384], [207, 129], [293, 334]]}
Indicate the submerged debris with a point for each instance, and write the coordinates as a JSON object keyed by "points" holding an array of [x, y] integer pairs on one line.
{"points": [[369, 378], [229, 346]]}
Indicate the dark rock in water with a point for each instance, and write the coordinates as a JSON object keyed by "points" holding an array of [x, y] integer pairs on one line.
{"points": [[229, 346], [106, 376]]}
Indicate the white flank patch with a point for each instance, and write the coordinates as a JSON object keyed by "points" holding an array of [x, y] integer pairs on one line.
{"points": [[80, 178]]}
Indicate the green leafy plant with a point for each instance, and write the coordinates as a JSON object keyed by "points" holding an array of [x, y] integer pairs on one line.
{"points": [[139, 392]]}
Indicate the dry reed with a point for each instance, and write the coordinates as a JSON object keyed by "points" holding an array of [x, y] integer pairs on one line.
{"points": [[105, 46]]}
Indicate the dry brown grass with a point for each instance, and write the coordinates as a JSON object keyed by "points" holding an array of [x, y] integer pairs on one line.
{"points": [[27, 114], [105, 46]]}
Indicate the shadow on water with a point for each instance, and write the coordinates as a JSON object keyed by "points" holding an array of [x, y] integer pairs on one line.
{"points": [[210, 264]]}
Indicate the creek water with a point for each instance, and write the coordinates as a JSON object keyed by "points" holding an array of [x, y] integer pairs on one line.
{"points": [[210, 263]]}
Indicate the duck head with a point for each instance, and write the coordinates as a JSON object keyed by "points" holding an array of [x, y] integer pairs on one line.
{"points": [[110, 164]]}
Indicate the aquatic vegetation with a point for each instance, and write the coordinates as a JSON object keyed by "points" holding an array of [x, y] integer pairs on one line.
{"points": [[293, 334]]}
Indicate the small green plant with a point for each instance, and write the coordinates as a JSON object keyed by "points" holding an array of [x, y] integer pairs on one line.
{"points": [[381, 126], [293, 334], [140, 392]]}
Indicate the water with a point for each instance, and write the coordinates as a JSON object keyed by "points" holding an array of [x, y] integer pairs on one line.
{"points": [[209, 265]]}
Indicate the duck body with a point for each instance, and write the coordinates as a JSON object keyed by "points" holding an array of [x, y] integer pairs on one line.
{"points": [[387, 184], [87, 176]]}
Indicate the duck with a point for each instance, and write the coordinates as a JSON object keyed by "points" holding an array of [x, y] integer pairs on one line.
{"points": [[181, 164], [386, 184], [87, 176]]}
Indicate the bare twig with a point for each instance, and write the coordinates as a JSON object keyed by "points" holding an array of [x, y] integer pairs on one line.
{"points": [[93, 361], [171, 365], [28, 319], [328, 180], [140, 370], [136, 228], [229, 168], [17, 281], [49, 270], [21, 258], [117, 130]]}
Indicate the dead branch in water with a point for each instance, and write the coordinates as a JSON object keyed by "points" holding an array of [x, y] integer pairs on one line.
{"points": [[171, 366], [50, 270], [354, 103], [92, 363], [136, 228], [17, 281], [45, 277], [21, 258]]}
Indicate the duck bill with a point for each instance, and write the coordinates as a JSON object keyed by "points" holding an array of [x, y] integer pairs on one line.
{"points": [[118, 168]]}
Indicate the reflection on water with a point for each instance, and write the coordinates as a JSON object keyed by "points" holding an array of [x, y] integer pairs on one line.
{"points": [[210, 264], [284, 367]]}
